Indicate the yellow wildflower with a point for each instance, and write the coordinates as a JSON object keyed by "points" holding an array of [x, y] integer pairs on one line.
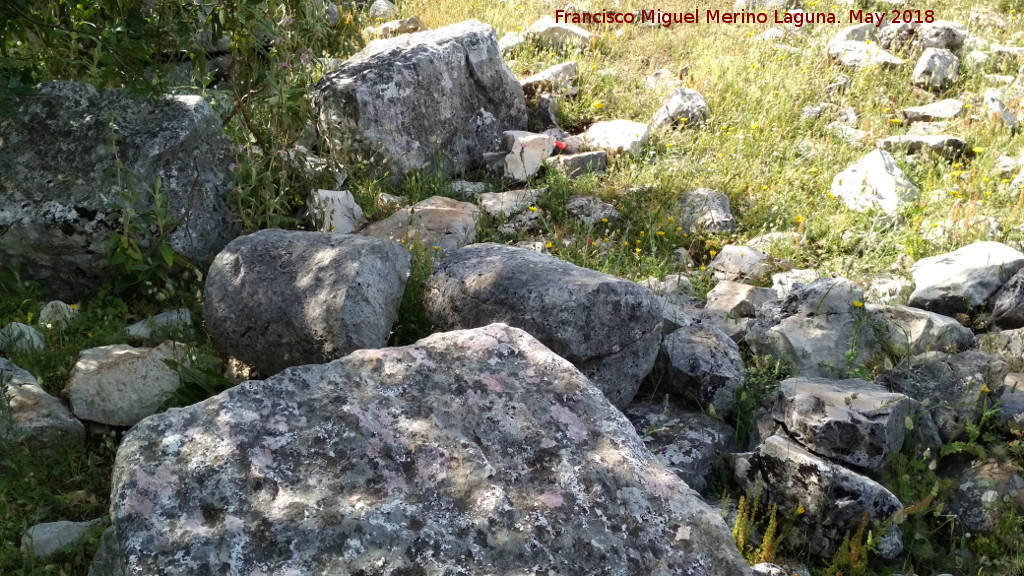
{"points": [[858, 304]]}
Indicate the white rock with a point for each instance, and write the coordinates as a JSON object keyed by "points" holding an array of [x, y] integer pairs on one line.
{"points": [[120, 385], [942, 110], [936, 69], [548, 31], [735, 262], [942, 34], [614, 136], [874, 181], [505, 204], [662, 79], [856, 33], [965, 278], [685, 107], [784, 282], [993, 103], [850, 135], [469, 189], [383, 10], [34, 417], [949, 147], [1005, 166], [862, 55], [44, 540], [20, 338], [170, 324], [918, 331], [56, 314], [335, 211], [527, 153], [557, 79]]}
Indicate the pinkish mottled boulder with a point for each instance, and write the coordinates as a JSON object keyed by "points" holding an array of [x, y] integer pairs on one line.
{"points": [[470, 452]]}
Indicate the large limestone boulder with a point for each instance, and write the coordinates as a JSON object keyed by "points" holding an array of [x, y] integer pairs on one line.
{"points": [[56, 178], [608, 327], [833, 498], [477, 452], [850, 420], [443, 94], [965, 278], [280, 298]]}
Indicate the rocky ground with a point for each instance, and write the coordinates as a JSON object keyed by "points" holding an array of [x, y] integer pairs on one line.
{"points": [[695, 299]]}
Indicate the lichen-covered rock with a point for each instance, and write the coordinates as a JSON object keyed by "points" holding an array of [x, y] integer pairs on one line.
{"points": [[437, 221], [691, 444], [965, 278], [917, 331], [850, 420], [608, 327], [703, 366], [277, 298], [55, 178], [120, 385], [34, 417], [441, 94], [986, 492], [106, 561], [833, 498], [954, 386], [706, 209], [475, 452]]}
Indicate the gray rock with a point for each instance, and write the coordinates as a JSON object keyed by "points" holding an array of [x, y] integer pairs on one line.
{"points": [[736, 300], [437, 221], [684, 107], [471, 451], [898, 38], [1005, 166], [573, 166], [706, 209], [785, 282], [691, 444], [390, 30], [993, 104], [936, 69], [965, 278], [850, 135], [766, 569], [383, 10], [505, 204], [887, 289], [590, 210], [334, 211], [813, 329], [704, 367], [833, 498], [608, 327], [662, 79], [856, 33], [853, 421], [43, 540], [448, 95], [1007, 343], [874, 181], [985, 493], [942, 34], [556, 79], [736, 262], [848, 116], [120, 385], [817, 111], [1011, 409], [106, 562], [56, 314], [21, 339], [947, 109], [173, 324], [1008, 303], [511, 41], [34, 417], [913, 331], [469, 189], [861, 55], [527, 153], [948, 147], [617, 136], [547, 31], [839, 87], [765, 242], [277, 298], [55, 179], [950, 385]]}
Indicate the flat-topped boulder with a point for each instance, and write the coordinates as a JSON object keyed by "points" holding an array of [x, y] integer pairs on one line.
{"points": [[443, 93], [471, 451], [608, 327]]}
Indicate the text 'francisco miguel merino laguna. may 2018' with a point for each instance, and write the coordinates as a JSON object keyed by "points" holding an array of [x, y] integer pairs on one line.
{"points": [[796, 17]]}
